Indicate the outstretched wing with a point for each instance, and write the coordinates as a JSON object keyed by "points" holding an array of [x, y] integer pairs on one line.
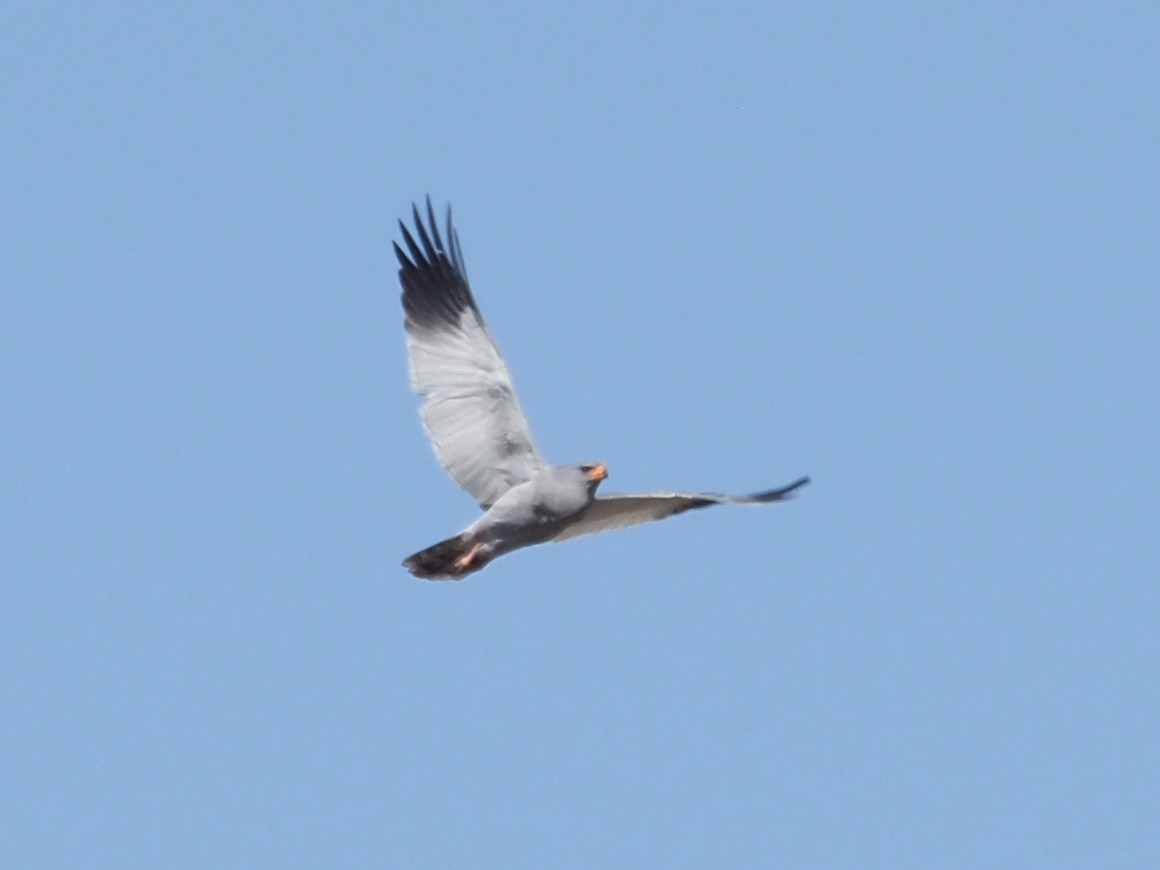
{"points": [[470, 410], [618, 511]]}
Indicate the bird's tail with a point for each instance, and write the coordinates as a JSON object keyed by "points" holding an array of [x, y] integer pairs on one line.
{"points": [[451, 559]]}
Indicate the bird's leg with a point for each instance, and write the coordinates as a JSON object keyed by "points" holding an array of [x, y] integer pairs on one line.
{"points": [[464, 562]]}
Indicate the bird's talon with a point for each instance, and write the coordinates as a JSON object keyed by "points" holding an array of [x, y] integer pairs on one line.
{"points": [[465, 561]]}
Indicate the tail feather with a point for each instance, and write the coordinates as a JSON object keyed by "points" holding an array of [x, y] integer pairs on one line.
{"points": [[437, 562]]}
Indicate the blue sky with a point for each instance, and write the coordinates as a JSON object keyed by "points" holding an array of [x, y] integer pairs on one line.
{"points": [[910, 251]]}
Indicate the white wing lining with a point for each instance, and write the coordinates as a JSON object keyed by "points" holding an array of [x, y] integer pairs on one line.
{"points": [[621, 511], [470, 411]]}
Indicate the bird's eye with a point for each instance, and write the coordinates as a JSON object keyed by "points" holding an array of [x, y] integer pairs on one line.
{"points": [[585, 468]]}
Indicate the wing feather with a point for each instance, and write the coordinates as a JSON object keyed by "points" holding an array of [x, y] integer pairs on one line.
{"points": [[620, 511], [470, 410]]}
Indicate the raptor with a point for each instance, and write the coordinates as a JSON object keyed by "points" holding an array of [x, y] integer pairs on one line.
{"points": [[479, 432]]}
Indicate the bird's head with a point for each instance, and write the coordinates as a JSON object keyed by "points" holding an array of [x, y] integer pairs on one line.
{"points": [[593, 472]]}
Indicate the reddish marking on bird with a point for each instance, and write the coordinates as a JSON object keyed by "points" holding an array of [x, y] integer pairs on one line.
{"points": [[464, 562]]}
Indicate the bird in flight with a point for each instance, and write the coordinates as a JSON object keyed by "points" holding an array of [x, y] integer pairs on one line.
{"points": [[480, 435]]}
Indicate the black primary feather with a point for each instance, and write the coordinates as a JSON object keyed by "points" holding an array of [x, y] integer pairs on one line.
{"points": [[435, 288]]}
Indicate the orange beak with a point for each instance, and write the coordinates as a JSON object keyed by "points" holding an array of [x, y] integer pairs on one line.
{"points": [[598, 472]]}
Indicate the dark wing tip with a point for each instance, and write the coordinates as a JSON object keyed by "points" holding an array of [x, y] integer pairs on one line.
{"points": [[400, 256], [435, 289], [781, 492]]}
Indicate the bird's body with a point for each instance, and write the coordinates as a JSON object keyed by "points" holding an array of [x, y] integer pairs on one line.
{"points": [[528, 513], [480, 435]]}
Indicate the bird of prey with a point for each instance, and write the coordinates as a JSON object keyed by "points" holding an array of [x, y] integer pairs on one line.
{"points": [[480, 435]]}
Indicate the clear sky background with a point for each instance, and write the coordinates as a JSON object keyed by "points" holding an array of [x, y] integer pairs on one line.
{"points": [[910, 251]]}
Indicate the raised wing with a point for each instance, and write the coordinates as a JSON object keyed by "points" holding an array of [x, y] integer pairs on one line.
{"points": [[619, 511], [470, 410]]}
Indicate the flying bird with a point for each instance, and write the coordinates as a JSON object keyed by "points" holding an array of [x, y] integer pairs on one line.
{"points": [[480, 434]]}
